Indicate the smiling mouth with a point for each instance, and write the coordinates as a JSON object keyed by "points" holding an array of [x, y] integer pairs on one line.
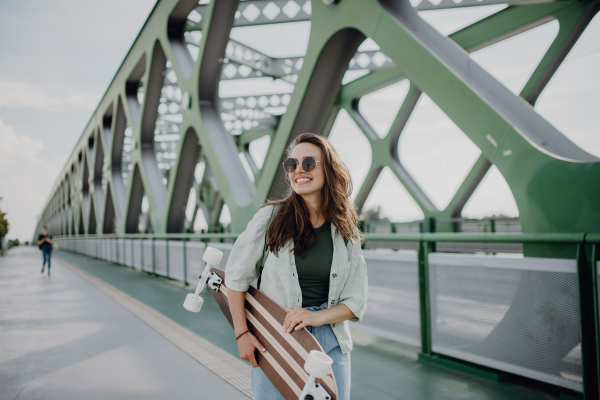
{"points": [[302, 180]]}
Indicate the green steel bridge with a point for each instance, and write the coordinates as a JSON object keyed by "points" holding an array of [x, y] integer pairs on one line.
{"points": [[161, 132]]}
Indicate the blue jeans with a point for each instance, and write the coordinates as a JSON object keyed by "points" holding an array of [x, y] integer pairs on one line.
{"points": [[47, 253], [263, 388]]}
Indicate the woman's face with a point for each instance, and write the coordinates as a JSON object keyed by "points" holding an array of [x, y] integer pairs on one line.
{"points": [[307, 183]]}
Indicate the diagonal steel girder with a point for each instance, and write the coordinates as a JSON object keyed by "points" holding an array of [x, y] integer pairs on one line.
{"points": [[435, 66], [572, 18]]}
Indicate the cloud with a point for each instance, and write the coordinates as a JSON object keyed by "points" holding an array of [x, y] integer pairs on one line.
{"points": [[54, 98], [25, 180]]}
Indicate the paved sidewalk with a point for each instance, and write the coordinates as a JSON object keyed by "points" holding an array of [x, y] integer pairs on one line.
{"points": [[62, 338]]}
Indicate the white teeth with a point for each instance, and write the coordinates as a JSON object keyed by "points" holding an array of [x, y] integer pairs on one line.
{"points": [[302, 180]]}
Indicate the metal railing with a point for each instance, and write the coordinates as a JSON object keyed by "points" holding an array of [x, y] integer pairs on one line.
{"points": [[456, 225], [587, 257]]}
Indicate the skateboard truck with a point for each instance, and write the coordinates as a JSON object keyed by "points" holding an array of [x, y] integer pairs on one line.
{"points": [[214, 281], [317, 365], [212, 257]]}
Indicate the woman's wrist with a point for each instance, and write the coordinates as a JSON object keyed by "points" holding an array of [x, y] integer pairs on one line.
{"points": [[240, 330], [238, 336], [322, 317]]}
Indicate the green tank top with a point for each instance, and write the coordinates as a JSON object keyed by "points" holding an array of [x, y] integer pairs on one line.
{"points": [[314, 268]]}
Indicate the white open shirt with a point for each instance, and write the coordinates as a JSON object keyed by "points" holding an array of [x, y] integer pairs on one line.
{"points": [[347, 280]]}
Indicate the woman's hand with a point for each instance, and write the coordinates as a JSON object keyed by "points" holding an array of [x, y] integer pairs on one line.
{"points": [[246, 345], [301, 317]]}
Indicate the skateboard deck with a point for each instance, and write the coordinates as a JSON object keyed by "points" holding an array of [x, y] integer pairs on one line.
{"points": [[283, 362]]}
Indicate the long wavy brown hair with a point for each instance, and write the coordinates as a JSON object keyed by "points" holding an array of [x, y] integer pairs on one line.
{"points": [[293, 219]]}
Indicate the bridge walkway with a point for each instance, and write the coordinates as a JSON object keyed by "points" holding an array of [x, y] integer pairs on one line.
{"points": [[96, 330]]}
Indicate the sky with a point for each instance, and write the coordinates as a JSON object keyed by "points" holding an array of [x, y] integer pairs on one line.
{"points": [[56, 61], [58, 58]]}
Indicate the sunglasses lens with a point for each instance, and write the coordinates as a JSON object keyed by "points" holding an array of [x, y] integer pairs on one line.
{"points": [[308, 164], [290, 165]]}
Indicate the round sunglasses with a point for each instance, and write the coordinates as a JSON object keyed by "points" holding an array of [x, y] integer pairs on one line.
{"points": [[308, 164]]}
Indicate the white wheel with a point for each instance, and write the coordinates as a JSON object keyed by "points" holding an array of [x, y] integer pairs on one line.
{"points": [[318, 364], [212, 256], [193, 303]]}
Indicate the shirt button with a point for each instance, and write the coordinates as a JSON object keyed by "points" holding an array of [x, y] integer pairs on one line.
{"points": [[332, 301], [334, 275], [333, 325]]}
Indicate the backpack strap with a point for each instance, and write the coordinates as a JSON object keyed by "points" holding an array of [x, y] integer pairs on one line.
{"points": [[261, 263]]}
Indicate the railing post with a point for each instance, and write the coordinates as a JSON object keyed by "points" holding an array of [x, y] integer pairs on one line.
{"points": [[185, 282], [429, 227], [167, 252], [493, 225], [588, 322], [142, 253], [132, 255], [594, 265], [424, 302], [153, 258]]}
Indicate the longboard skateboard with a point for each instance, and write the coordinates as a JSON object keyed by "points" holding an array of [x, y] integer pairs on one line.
{"points": [[288, 354]]}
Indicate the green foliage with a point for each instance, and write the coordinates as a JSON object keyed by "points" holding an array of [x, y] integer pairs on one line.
{"points": [[4, 224]]}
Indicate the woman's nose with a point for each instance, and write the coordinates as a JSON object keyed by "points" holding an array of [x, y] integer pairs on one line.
{"points": [[298, 166]]}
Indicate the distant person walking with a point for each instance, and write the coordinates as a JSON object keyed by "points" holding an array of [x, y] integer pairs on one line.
{"points": [[45, 244]]}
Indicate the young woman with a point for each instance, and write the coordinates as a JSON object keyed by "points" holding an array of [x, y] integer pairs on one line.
{"points": [[314, 268]]}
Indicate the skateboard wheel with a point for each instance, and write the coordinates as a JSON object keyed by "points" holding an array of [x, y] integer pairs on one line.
{"points": [[193, 303], [212, 256], [318, 364]]}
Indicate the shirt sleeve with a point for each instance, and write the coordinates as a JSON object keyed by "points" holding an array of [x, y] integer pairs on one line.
{"points": [[356, 290], [241, 269]]}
